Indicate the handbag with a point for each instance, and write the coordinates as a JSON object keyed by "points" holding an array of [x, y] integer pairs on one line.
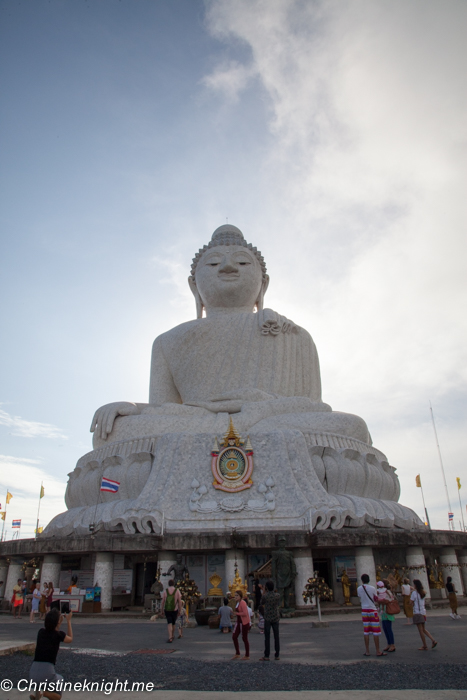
{"points": [[393, 607]]}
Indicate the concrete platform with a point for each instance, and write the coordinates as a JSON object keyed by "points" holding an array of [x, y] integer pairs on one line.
{"points": [[11, 647], [258, 695]]}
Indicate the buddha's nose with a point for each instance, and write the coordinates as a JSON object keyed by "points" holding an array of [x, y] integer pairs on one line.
{"points": [[228, 265]]}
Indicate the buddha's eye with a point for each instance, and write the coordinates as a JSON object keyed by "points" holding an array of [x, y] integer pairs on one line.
{"points": [[213, 264]]}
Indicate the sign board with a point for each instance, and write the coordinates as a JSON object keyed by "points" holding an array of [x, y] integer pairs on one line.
{"points": [[347, 563], [122, 580]]}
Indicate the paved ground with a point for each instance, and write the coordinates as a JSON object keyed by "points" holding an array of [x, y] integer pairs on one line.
{"points": [[301, 695], [341, 642], [312, 659]]}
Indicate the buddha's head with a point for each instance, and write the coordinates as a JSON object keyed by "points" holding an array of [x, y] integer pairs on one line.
{"points": [[228, 274]]}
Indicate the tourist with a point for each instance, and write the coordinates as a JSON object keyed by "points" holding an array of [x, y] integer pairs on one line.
{"points": [[419, 614], [370, 617], [50, 595], [242, 625], [270, 601], [25, 594], [170, 604], [225, 622], [36, 597], [182, 618], [43, 603], [48, 642], [384, 595], [261, 619], [406, 590], [74, 581], [17, 599], [249, 604], [452, 595], [257, 592]]}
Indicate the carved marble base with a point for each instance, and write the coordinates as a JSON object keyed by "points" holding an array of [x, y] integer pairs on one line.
{"points": [[300, 481]]}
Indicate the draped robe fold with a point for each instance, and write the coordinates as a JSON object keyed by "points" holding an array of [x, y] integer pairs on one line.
{"points": [[236, 356]]}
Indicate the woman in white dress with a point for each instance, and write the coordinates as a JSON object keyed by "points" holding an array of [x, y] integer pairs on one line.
{"points": [[36, 599]]}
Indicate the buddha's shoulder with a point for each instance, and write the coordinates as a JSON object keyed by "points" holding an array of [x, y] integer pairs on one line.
{"points": [[178, 332], [266, 321]]}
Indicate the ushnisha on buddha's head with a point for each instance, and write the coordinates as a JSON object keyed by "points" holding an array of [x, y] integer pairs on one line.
{"points": [[228, 275]]}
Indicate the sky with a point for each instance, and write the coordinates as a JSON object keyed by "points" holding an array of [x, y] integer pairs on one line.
{"points": [[333, 134]]}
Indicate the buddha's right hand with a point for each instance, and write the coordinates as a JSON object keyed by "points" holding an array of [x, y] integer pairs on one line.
{"points": [[104, 417]]}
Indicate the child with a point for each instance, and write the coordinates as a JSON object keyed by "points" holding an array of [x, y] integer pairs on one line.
{"points": [[181, 619], [225, 612], [261, 619]]}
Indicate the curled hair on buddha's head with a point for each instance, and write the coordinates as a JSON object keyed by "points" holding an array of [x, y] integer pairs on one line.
{"points": [[227, 235]]}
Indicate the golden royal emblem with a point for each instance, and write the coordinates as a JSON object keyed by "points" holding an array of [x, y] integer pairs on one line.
{"points": [[232, 464]]}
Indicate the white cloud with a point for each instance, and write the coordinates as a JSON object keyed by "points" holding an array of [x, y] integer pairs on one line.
{"points": [[229, 79], [22, 477], [30, 429], [365, 177]]}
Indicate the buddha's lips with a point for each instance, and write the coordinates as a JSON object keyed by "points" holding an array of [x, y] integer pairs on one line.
{"points": [[229, 276]]}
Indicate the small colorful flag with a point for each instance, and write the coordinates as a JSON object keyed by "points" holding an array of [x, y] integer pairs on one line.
{"points": [[451, 516], [418, 482], [16, 523], [109, 485], [39, 530], [9, 496], [458, 483], [3, 514], [42, 492]]}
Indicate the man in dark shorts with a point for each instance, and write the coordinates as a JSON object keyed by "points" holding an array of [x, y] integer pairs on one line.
{"points": [[170, 604]]}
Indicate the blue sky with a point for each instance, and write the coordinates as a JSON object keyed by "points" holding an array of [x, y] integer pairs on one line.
{"points": [[332, 133]]}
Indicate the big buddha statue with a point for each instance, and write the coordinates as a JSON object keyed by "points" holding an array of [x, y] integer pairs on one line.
{"points": [[234, 394]]}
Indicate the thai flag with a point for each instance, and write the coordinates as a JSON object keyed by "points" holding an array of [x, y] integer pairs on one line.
{"points": [[109, 485], [16, 523], [451, 516]]}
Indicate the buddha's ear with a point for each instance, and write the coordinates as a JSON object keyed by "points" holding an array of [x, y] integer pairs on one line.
{"points": [[260, 300], [196, 294]]}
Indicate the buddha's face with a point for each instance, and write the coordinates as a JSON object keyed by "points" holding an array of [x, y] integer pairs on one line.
{"points": [[229, 277]]}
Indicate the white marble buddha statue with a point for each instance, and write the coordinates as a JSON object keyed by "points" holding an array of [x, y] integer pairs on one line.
{"points": [[245, 368], [260, 365]]}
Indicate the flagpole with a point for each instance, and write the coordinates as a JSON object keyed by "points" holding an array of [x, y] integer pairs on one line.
{"points": [[442, 468], [38, 509], [95, 511], [460, 502], [4, 519], [426, 512], [418, 483]]}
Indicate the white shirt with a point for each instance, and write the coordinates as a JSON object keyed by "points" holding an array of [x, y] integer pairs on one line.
{"points": [[418, 603], [405, 588], [367, 596], [250, 611]]}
